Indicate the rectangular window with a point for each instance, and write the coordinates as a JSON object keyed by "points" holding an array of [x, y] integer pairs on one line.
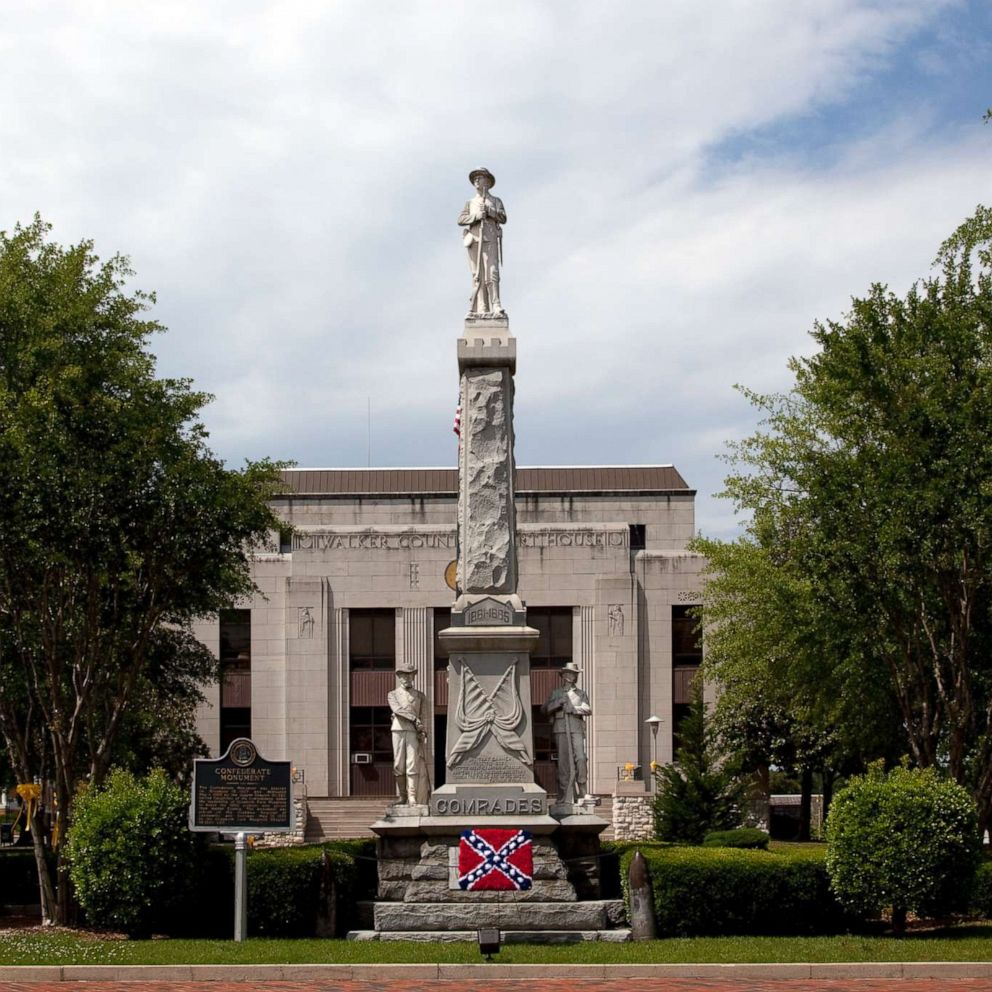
{"points": [[371, 744], [442, 621], [687, 645], [370, 732], [372, 640], [235, 638], [235, 676], [638, 541], [687, 654], [554, 648]]}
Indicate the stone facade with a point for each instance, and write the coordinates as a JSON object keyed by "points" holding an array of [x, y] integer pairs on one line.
{"points": [[604, 546], [633, 818], [297, 834]]}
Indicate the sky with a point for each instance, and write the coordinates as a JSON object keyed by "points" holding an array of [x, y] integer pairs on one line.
{"points": [[689, 186]]}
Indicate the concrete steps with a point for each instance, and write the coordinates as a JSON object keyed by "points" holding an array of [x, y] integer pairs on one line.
{"points": [[336, 817], [593, 916]]}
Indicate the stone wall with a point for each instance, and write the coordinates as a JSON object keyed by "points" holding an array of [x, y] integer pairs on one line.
{"points": [[296, 836], [632, 818]]}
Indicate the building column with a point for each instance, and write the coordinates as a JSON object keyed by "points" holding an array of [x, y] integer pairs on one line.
{"points": [[415, 644], [584, 655], [338, 703]]}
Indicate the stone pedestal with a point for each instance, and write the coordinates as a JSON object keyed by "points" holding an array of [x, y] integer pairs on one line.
{"points": [[487, 549], [490, 740], [419, 897]]}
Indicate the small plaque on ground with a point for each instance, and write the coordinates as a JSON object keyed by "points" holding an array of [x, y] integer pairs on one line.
{"points": [[241, 792]]}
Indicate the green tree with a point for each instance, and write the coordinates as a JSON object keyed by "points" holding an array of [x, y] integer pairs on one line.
{"points": [[869, 485], [906, 841], [698, 793], [118, 527], [765, 640]]}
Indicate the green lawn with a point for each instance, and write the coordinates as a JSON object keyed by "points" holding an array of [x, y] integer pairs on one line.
{"points": [[962, 943]]}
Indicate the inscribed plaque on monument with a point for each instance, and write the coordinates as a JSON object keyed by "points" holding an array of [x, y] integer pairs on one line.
{"points": [[489, 719], [241, 792]]}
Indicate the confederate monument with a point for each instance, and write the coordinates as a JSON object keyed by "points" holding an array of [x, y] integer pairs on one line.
{"points": [[487, 838]]}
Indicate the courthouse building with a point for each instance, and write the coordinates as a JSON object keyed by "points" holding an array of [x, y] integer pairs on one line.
{"points": [[364, 580]]}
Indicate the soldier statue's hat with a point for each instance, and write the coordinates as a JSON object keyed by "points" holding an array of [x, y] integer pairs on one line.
{"points": [[406, 668], [482, 172], [570, 666]]}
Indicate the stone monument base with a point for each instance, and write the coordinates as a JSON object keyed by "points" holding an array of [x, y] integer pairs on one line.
{"points": [[419, 897]]}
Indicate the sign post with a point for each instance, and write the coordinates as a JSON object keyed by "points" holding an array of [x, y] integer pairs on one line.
{"points": [[241, 793], [240, 888]]}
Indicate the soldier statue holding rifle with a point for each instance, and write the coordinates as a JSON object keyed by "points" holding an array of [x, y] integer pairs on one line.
{"points": [[570, 706], [482, 218]]}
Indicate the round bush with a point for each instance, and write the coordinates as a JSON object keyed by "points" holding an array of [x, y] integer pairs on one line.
{"points": [[130, 851], [907, 841]]}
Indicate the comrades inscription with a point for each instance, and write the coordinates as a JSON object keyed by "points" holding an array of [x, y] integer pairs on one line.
{"points": [[496, 806]]}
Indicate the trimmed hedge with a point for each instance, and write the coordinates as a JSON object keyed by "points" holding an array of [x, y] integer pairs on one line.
{"points": [[612, 880], [746, 838], [305, 891], [713, 891], [981, 891]]}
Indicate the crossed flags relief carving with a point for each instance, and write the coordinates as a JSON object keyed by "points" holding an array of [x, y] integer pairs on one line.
{"points": [[480, 713]]}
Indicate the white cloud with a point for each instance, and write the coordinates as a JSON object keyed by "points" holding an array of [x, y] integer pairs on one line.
{"points": [[287, 178]]}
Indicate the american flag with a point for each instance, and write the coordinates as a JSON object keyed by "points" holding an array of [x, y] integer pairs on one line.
{"points": [[457, 426], [495, 860]]}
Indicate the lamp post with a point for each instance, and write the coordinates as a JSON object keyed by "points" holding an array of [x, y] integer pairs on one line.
{"points": [[654, 722]]}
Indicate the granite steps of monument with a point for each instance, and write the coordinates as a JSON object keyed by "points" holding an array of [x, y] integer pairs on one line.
{"points": [[618, 936], [551, 890], [598, 914]]}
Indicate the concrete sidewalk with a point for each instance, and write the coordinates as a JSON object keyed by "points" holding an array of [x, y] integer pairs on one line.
{"points": [[906, 974]]}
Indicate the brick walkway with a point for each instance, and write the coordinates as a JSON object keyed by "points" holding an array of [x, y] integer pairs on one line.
{"points": [[522, 985]]}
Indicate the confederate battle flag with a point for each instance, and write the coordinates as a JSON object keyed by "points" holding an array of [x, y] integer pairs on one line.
{"points": [[495, 859]]}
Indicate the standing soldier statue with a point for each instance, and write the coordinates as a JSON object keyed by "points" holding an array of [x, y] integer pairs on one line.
{"points": [[409, 708], [570, 706], [482, 218]]}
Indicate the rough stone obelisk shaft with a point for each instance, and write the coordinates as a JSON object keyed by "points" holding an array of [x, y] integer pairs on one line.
{"points": [[487, 554]]}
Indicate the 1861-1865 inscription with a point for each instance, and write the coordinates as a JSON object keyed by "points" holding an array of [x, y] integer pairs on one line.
{"points": [[241, 792]]}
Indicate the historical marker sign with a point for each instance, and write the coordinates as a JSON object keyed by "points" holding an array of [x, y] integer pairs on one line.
{"points": [[241, 792]]}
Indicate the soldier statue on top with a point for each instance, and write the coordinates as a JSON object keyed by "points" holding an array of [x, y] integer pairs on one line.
{"points": [[482, 218]]}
